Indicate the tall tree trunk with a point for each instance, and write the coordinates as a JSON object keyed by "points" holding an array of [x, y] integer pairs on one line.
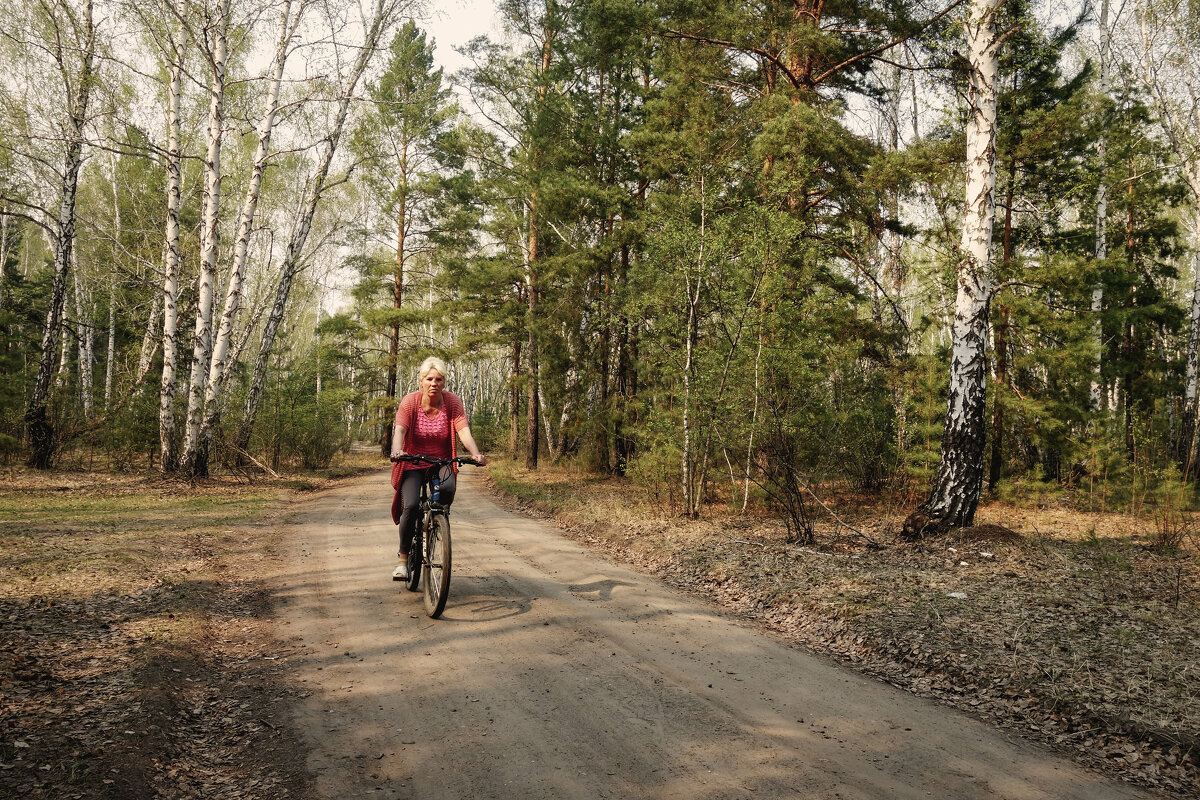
{"points": [[625, 378], [1128, 341], [532, 254], [385, 441], [150, 342], [692, 483], [996, 468], [1004, 314], [956, 487], [3, 250], [531, 356], [602, 443], [111, 350], [172, 257], [383, 12], [514, 400], [1100, 251], [64, 354], [688, 459], [195, 462], [753, 422], [110, 354], [1187, 425], [218, 368], [85, 339], [78, 88]]}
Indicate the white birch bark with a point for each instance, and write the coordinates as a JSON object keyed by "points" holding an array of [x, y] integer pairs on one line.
{"points": [[955, 494], [1101, 230], [383, 13], [111, 351], [78, 87], [85, 338], [218, 364], [171, 262], [202, 339], [150, 341], [64, 354], [1172, 77], [110, 354], [3, 250], [1191, 386]]}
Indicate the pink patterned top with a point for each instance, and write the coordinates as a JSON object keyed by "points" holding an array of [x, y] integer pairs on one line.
{"points": [[431, 436]]}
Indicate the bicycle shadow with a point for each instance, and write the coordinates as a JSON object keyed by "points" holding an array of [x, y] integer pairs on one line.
{"points": [[603, 589], [478, 601]]}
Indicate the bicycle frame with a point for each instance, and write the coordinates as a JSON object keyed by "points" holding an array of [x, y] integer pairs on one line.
{"points": [[429, 552]]}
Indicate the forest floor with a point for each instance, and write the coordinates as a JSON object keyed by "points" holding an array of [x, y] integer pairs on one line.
{"points": [[1079, 630], [138, 657], [137, 649]]}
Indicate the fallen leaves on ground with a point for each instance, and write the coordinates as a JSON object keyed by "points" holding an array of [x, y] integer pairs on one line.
{"points": [[136, 658], [1072, 628]]}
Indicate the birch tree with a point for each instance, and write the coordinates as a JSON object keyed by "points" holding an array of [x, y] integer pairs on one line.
{"points": [[4, 248], [957, 485], [85, 338], [1168, 35], [1101, 226], [291, 14], [216, 52], [51, 95], [375, 20], [169, 37]]}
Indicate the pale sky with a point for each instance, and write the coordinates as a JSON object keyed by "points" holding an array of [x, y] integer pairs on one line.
{"points": [[453, 23]]}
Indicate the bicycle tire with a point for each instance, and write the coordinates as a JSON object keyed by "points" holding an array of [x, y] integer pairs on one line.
{"points": [[413, 582], [436, 564]]}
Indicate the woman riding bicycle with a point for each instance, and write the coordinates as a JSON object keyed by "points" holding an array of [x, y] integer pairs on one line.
{"points": [[425, 425]]}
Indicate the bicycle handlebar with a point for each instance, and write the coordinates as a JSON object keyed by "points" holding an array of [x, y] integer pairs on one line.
{"points": [[434, 461]]}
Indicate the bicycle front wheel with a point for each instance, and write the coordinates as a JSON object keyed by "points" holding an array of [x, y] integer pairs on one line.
{"points": [[414, 563], [436, 564]]}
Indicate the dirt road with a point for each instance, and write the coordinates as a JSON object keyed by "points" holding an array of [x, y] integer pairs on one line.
{"points": [[557, 674]]}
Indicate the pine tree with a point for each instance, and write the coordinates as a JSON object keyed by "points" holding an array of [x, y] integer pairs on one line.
{"points": [[405, 140]]}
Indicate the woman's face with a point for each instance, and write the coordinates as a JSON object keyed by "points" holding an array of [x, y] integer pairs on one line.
{"points": [[433, 383]]}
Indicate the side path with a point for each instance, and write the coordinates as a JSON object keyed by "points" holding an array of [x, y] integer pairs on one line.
{"points": [[557, 674]]}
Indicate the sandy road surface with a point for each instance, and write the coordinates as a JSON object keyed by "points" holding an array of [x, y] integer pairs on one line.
{"points": [[556, 674]]}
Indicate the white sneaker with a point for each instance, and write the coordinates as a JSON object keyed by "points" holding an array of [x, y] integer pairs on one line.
{"points": [[400, 573]]}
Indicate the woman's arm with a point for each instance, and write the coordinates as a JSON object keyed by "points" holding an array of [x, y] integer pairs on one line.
{"points": [[404, 413], [464, 434], [398, 433]]}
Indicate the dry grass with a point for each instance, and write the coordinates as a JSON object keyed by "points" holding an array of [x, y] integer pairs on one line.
{"points": [[136, 654], [135, 643], [1078, 629]]}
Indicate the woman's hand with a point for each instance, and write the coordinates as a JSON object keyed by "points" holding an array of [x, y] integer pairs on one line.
{"points": [[480, 459]]}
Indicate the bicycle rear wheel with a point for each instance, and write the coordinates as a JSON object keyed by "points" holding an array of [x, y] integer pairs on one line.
{"points": [[414, 562], [436, 565]]}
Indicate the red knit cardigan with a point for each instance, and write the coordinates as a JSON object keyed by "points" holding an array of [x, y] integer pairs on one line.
{"points": [[406, 417]]}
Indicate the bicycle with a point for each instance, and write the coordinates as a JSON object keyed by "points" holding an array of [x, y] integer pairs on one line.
{"points": [[429, 551]]}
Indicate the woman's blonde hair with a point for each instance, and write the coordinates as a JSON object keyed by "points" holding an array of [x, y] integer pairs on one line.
{"points": [[430, 364]]}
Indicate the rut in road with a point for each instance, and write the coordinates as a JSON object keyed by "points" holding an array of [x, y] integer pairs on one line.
{"points": [[555, 673]]}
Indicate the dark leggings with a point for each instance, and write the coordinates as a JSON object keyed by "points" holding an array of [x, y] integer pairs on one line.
{"points": [[410, 497]]}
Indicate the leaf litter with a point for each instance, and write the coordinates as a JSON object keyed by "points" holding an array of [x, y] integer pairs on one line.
{"points": [[1074, 629], [136, 658], [156, 674]]}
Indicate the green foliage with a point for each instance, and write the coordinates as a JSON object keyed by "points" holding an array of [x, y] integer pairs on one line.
{"points": [[657, 463], [677, 227], [301, 427], [131, 433]]}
